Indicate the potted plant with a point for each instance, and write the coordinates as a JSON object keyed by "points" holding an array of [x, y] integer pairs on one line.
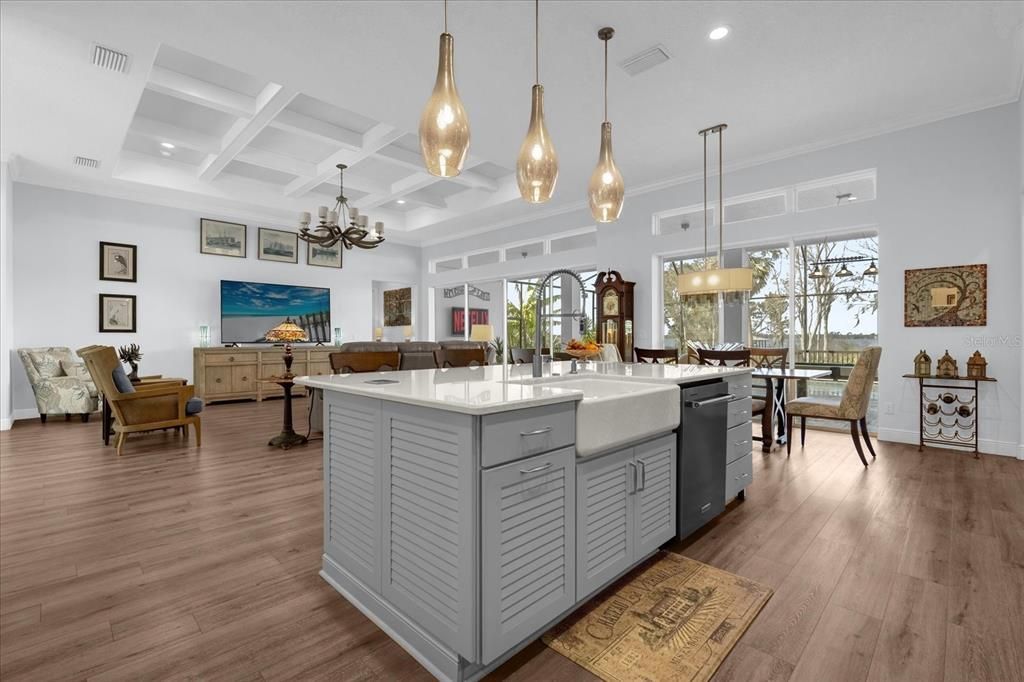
{"points": [[131, 355]]}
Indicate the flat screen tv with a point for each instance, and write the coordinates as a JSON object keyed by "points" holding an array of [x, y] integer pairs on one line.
{"points": [[248, 310]]}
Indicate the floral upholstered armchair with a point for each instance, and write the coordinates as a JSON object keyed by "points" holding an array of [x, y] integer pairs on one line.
{"points": [[62, 385]]}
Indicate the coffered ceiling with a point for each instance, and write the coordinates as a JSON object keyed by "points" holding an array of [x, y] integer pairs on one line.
{"points": [[261, 100]]}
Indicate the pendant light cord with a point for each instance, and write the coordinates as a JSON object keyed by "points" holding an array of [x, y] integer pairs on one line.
{"points": [[606, 80], [705, 136], [721, 205], [536, 41], [445, 16]]}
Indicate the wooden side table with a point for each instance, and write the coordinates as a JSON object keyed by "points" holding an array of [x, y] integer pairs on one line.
{"points": [[937, 410], [287, 438]]}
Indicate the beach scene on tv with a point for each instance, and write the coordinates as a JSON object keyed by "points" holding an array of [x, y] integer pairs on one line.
{"points": [[248, 310]]}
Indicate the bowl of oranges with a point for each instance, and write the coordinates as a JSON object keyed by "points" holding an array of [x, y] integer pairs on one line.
{"points": [[582, 349]]}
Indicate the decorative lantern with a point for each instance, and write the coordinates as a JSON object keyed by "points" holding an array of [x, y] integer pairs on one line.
{"points": [[923, 364], [947, 367], [976, 365]]}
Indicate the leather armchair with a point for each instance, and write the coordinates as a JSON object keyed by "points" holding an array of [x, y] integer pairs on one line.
{"points": [[160, 406]]}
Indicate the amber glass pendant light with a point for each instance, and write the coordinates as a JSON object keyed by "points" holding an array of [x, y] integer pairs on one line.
{"points": [[444, 126], [606, 189], [537, 165]]}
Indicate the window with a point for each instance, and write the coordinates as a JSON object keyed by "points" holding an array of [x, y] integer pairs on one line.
{"points": [[521, 296], [688, 318], [769, 299], [484, 258]]}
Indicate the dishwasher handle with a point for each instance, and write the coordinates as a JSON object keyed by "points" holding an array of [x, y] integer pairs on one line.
{"points": [[710, 401]]}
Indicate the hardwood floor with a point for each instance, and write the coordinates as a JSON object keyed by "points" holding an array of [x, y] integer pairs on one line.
{"points": [[171, 562]]}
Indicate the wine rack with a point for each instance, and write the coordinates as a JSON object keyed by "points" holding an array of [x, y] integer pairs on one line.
{"points": [[949, 409]]}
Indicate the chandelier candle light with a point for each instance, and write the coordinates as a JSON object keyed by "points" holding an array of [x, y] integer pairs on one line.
{"points": [[606, 190], [329, 232], [444, 126], [537, 166], [715, 280]]}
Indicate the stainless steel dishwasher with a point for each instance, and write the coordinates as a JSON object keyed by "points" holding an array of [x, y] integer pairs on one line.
{"points": [[702, 454]]}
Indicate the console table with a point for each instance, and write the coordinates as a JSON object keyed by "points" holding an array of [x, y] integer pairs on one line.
{"points": [[947, 404], [238, 373]]}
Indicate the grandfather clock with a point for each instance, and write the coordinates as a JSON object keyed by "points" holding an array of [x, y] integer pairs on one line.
{"points": [[615, 312]]}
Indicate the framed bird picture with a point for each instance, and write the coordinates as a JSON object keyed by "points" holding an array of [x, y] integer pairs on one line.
{"points": [[118, 262]]}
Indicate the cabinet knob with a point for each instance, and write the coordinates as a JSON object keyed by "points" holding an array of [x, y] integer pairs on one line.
{"points": [[217, 380], [245, 378], [231, 358]]}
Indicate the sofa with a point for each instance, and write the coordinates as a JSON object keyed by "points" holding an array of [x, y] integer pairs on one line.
{"points": [[61, 384], [416, 354]]}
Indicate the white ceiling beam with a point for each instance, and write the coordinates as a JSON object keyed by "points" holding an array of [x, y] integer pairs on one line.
{"points": [[179, 137], [200, 92], [307, 126], [413, 161], [270, 102], [374, 139], [402, 187], [278, 162]]}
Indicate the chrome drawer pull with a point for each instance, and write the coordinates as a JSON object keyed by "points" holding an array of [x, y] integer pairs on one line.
{"points": [[705, 508], [740, 442], [538, 432], [711, 401], [535, 469], [643, 475]]}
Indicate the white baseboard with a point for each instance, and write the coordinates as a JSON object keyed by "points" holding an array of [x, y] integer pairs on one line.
{"points": [[5, 424], [25, 413], [985, 446]]}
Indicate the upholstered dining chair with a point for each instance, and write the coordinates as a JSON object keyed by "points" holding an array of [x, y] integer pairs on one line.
{"points": [[462, 357], [163, 406], [666, 356], [852, 407], [355, 362]]}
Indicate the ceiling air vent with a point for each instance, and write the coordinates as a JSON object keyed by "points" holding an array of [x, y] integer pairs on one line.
{"points": [[86, 162], [645, 61], [109, 59]]}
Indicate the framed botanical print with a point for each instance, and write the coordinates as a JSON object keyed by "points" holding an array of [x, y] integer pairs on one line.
{"points": [[323, 256], [117, 262], [219, 238], [117, 313], [278, 245], [952, 296]]}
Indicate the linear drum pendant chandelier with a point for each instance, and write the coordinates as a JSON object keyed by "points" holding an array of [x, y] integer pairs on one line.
{"points": [[715, 280], [444, 126], [606, 190], [537, 165]]}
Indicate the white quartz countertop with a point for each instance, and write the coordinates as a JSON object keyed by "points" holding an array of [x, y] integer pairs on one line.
{"points": [[499, 388]]}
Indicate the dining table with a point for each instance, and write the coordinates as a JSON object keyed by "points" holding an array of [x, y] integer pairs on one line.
{"points": [[775, 400]]}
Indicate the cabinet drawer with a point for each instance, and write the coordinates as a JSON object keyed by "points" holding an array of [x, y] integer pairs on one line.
{"points": [[740, 386], [508, 436], [738, 476], [738, 442], [243, 379], [231, 358], [319, 368], [217, 380], [739, 412]]}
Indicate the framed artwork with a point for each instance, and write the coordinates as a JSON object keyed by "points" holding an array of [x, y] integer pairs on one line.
{"points": [[219, 238], [398, 307], [117, 262], [323, 256], [278, 245], [117, 313], [476, 316], [953, 296]]}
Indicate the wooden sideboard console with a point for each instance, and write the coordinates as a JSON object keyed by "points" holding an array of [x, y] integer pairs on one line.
{"points": [[235, 373]]}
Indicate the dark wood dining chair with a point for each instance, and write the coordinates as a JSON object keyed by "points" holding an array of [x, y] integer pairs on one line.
{"points": [[740, 358], [852, 407], [355, 362], [651, 356], [461, 357], [769, 358]]}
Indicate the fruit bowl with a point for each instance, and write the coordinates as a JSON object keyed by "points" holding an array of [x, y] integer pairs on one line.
{"points": [[583, 353]]}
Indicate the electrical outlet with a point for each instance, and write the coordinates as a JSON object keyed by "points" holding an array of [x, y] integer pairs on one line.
{"points": [[890, 408]]}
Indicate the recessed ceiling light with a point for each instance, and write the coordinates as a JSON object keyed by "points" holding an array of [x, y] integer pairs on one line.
{"points": [[167, 145], [851, 198], [400, 201], [718, 32], [165, 153]]}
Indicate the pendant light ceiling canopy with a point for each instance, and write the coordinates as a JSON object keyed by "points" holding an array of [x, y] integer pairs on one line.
{"points": [[537, 165], [716, 280], [606, 190], [444, 126]]}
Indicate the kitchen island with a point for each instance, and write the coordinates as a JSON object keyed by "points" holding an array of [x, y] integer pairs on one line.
{"points": [[467, 510]]}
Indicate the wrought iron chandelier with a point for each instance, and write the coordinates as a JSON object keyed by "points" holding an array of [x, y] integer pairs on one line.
{"points": [[329, 232]]}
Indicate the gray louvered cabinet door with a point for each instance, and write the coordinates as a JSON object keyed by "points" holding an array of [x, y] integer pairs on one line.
{"points": [[528, 547], [655, 518], [604, 519], [429, 524], [351, 481]]}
